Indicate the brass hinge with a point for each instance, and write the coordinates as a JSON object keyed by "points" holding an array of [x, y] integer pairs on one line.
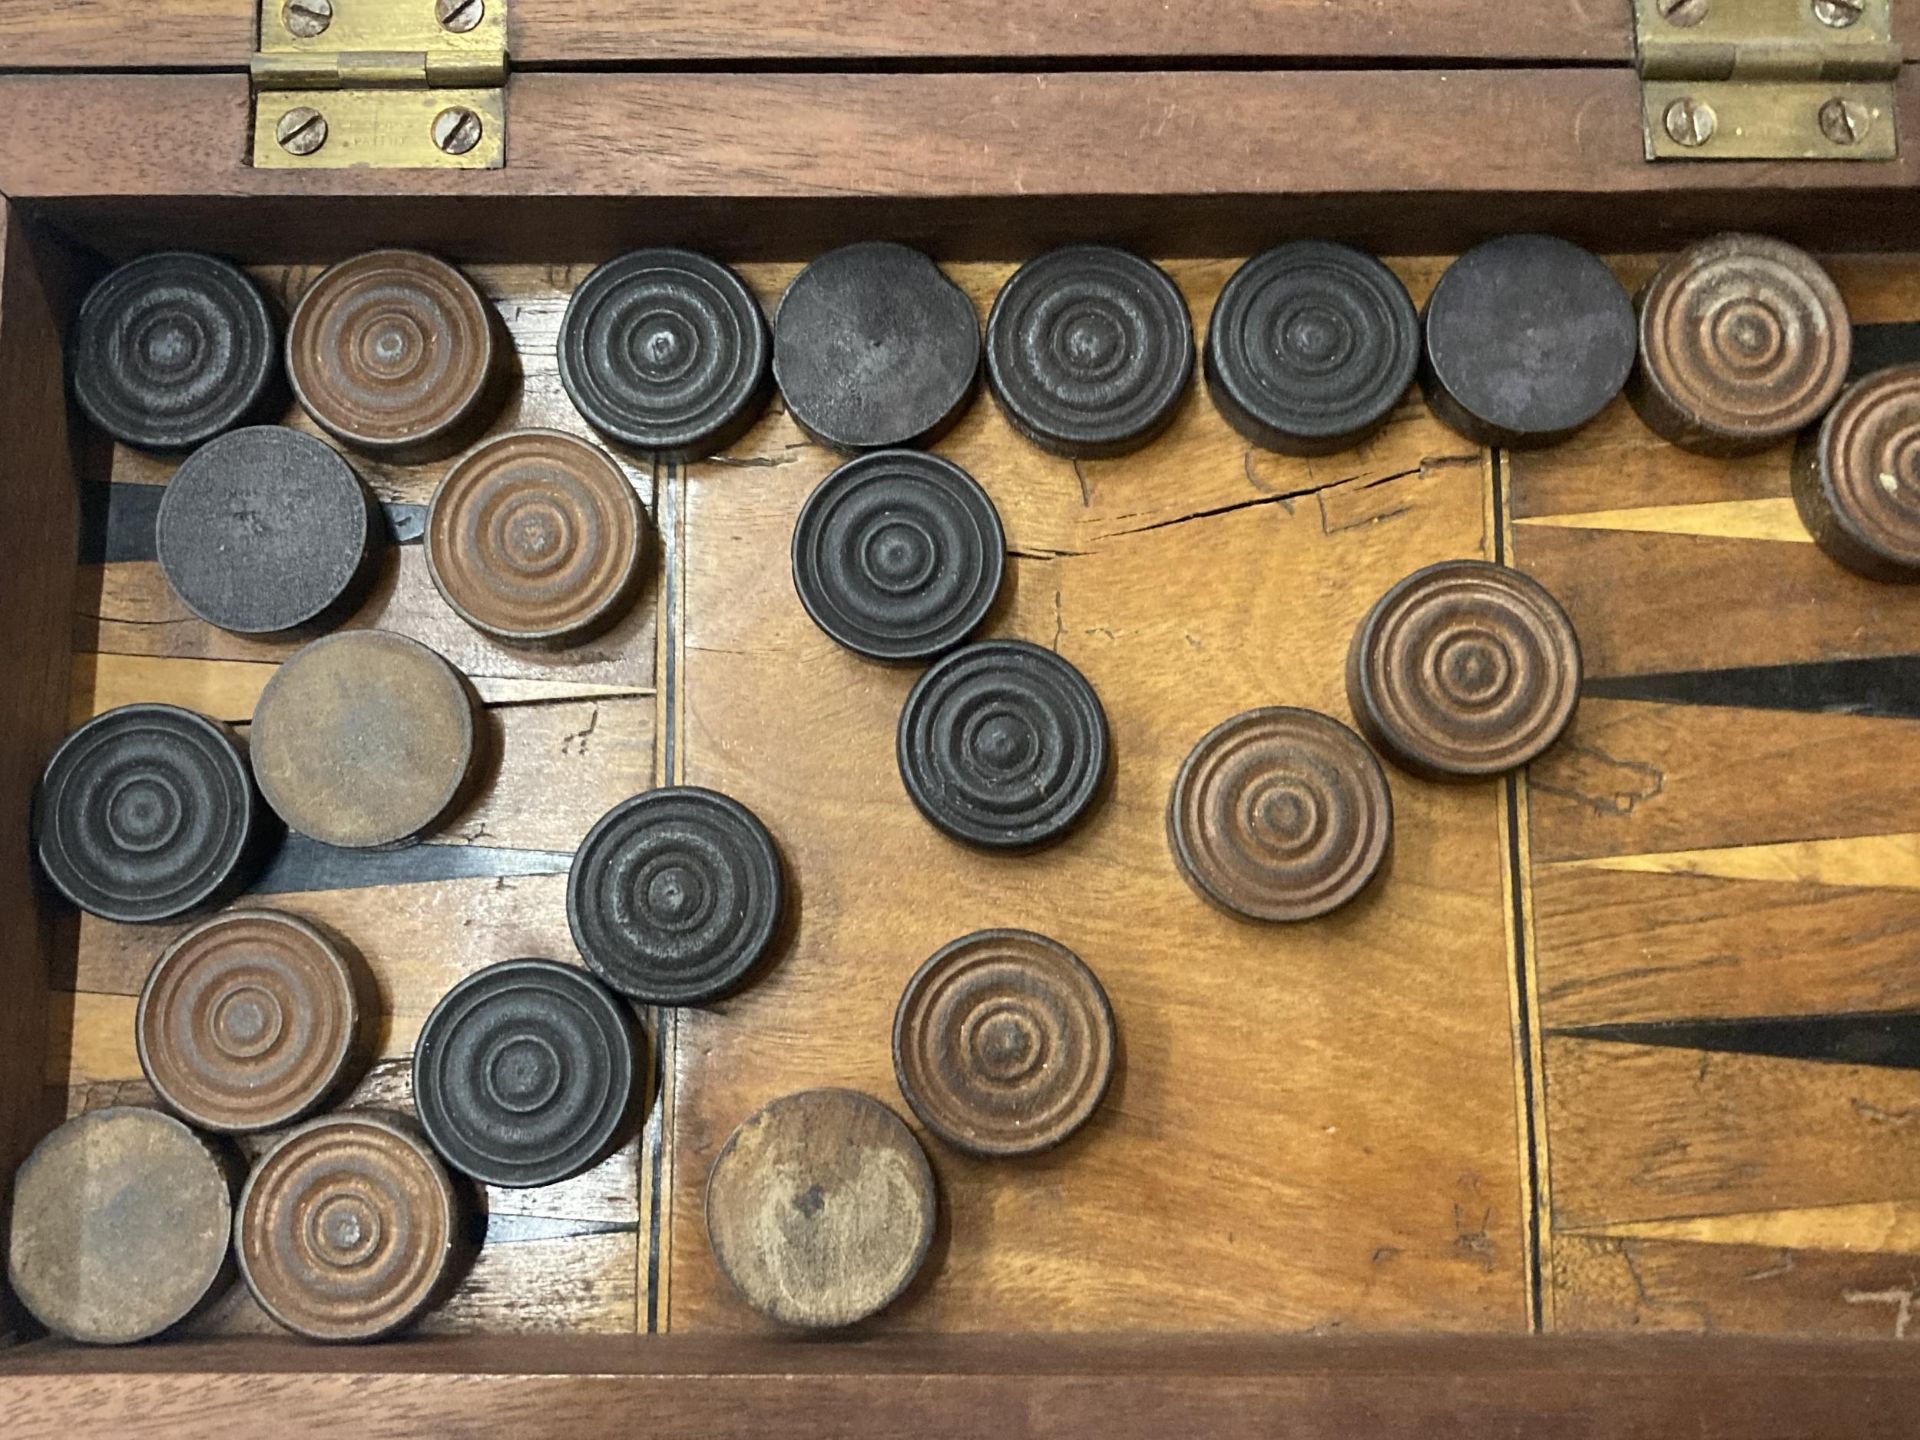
{"points": [[381, 84], [1768, 79]]}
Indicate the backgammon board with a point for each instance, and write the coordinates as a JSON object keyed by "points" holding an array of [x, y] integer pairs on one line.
{"points": [[1618, 1043], [1576, 1102]]}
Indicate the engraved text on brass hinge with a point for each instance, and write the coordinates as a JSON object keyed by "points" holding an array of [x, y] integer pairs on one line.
{"points": [[381, 84], [1768, 79]]}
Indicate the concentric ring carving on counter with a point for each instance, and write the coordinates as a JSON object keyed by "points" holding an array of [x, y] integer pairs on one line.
{"points": [[537, 539], [1464, 669], [1004, 1043], [1280, 814]]}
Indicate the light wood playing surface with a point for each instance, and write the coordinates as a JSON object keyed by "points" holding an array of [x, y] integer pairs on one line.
{"points": [[1462, 1104]]}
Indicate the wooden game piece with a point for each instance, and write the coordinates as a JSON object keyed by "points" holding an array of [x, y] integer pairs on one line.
{"points": [[1003, 1043], [1744, 342], [675, 895], [1856, 482], [396, 353], [537, 538], [524, 1073], [252, 1021], [265, 529], [1464, 670], [667, 351], [1089, 351], [173, 349], [149, 812], [121, 1225], [1280, 814], [898, 555], [874, 347], [1003, 745], [1528, 338], [365, 739], [1310, 348], [820, 1208], [348, 1229]]}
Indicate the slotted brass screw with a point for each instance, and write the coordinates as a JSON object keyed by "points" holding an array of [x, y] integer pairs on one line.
{"points": [[1691, 122], [1684, 12], [459, 16], [301, 131], [307, 18], [1838, 13], [456, 130], [1844, 121]]}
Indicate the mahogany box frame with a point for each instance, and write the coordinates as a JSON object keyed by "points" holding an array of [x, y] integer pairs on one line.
{"points": [[978, 129]]}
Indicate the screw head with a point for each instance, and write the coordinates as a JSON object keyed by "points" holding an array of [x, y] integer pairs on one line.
{"points": [[1691, 122], [459, 16], [1839, 13], [301, 131], [456, 130], [1844, 121], [307, 18], [1684, 13]]}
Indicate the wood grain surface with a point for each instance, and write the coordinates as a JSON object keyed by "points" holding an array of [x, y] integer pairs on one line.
{"points": [[107, 34], [876, 32], [977, 164], [1342, 1182], [40, 516], [219, 34], [101, 34], [1126, 1388], [1724, 862], [568, 735], [1676, 1096]]}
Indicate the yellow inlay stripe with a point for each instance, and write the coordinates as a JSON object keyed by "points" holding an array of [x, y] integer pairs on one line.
{"points": [[229, 689], [1774, 519], [1884, 862], [1886, 1227]]}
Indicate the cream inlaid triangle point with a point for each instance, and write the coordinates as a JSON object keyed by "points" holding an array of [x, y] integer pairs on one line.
{"points": [[1770, 519], [1884, 862], [1883, 1227]]}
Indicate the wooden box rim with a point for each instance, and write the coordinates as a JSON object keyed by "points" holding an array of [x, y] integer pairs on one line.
{"points": [[1544, 137]]}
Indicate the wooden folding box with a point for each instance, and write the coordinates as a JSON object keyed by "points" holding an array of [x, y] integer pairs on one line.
{"points": [[1624, 1045]]}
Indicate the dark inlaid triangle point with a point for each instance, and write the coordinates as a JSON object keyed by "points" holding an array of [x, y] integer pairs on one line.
{"points": [[1889, 1039], [1883, 685]]}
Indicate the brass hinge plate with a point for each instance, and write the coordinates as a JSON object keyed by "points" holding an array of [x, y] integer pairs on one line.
{"points": [[1768, 79], [380, 84]]}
